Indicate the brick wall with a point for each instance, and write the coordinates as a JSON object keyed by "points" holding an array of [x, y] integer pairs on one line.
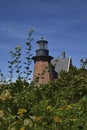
{"points": [[42, 72]]}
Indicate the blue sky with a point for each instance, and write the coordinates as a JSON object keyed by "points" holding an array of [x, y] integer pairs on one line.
{"points": [[62, 22]]}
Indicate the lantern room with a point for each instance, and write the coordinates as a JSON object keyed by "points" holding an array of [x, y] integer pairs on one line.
{"points": [[42, 48]]}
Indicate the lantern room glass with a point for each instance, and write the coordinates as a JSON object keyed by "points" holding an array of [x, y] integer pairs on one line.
{"points": [[42, 45]]}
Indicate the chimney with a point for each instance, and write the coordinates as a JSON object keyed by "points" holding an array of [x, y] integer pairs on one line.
{"points": [[63, 55]]}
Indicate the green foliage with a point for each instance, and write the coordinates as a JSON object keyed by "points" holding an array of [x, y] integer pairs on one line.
{"points": [[58, 105], [28, 57], [15, 62], [2, 78], [84, 63]]}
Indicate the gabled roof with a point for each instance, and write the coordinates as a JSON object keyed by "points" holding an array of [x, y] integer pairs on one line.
{"points": [[61, 64]]}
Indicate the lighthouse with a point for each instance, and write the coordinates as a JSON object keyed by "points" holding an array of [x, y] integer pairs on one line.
{"points": [[42, 67]]}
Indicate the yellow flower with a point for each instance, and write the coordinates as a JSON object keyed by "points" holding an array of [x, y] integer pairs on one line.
{"points": [[13, 128], [57, 119], [69, 107], [5, 95], [38, 119], [1, 113], [79, 108], [21, 111], [61, 108], [26, 122], [72, 119], [64, 101], [48, 107], [23, 128]]}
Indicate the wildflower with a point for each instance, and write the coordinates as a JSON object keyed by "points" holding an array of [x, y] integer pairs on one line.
{"points": [[1, 113], [64, 101], [61, 108], [57, 119], [23, 128], [21, 111], [5, 95], [26, 122], [79, 108], [38, 119], [72, 119], [13, 128], [69, 107], [48, 107]]}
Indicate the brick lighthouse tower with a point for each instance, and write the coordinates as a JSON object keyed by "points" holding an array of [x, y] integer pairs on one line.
{"points": [[42, 68]]}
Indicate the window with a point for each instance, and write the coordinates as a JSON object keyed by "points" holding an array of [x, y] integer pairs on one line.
{"points": [[42, 46]]}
